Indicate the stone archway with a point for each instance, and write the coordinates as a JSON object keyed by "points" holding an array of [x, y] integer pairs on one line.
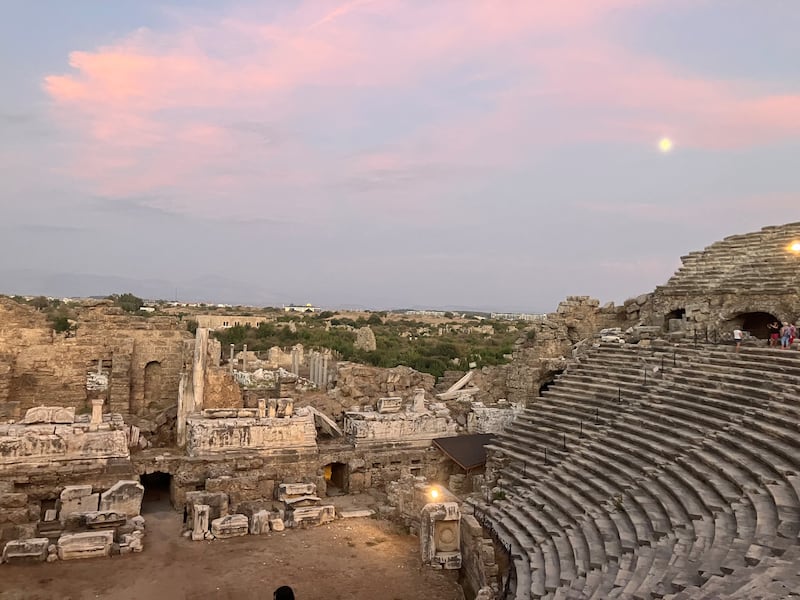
{"points": [[152, 385], [673, 320], [336, 478], [547, 381], [755, 323]]}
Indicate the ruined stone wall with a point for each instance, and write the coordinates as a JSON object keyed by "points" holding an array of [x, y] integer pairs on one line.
{"points": [[249, 478], [362, 385], [543, 349], [221, 390], [719, 312], [141, 358]]}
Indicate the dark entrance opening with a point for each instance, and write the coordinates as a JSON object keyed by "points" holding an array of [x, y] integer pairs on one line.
{"points": [[336, 479], [156, 492], [549, 380], [677, 314], [756, 323]]}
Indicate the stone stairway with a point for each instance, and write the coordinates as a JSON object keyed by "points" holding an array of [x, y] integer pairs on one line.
{"points": [[653, 473], [752, 263]]}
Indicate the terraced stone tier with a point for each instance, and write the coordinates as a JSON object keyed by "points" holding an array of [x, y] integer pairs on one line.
{"points": [[681, 484]]}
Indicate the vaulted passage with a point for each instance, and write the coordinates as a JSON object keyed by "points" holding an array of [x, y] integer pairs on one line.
{"points": [[156, 492], [756, 323], [336, 478]]}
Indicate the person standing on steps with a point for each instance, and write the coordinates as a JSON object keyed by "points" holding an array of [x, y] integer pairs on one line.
{"points": [[785, 336], [774, 333], [737, 337]]}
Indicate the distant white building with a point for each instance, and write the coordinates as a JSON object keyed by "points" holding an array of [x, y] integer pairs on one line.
{"points": [[307, 308], [518, 316]]}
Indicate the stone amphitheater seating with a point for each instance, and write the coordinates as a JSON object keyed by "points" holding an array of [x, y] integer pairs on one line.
{"points": [[670, 472], [750, 263]]}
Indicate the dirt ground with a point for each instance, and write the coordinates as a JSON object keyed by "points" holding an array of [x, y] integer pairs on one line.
{"points": [[349, 559]]}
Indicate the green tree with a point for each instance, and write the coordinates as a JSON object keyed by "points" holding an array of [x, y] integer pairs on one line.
{"points": [[127, 302], [40, 302]]}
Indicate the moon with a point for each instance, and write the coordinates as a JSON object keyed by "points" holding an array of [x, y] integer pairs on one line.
{"points": [[665, 145]]}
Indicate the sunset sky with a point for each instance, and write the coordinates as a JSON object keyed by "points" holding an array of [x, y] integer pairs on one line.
{"points": [[387, 153]]}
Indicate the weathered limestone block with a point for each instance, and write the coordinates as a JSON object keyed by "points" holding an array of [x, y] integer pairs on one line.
{"points": [[259, 522], [28, 550], [276, 524], [105, 519], [389, 405], [240, 434], [85, 545], [230, 526], [13, 500], [200, 521], [289, 490], [123, 497], [440, 535], [49, 414], [77, 499], [303, 516], [216, 501]]}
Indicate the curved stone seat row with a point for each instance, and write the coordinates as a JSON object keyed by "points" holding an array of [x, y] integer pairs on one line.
{"points": [[691, 479]]}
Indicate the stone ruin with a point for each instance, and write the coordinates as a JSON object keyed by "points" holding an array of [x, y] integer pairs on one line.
{"points": [[246, 452], [295, 505], [83, 524]]}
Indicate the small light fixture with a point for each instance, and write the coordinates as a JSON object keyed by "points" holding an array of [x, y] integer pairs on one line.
{"points": [[795, 247], [434, 493]]}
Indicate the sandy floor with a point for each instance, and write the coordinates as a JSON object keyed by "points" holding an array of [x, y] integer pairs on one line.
{"points": [[352, 559]]}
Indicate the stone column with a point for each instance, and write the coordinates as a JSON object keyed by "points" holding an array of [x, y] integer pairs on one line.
{"points": [[273, 407], [324, 379], [295, 362], [190, 394], [244, 357], [99, 366], [262, 408], [97, 411], [230, 360], [200, 521], [289, 409]]}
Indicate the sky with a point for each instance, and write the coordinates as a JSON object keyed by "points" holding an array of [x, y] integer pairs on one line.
{"points": [[388, 153]]}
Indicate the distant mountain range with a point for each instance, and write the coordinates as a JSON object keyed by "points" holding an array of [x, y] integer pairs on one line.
{"points": [[212, 289]]}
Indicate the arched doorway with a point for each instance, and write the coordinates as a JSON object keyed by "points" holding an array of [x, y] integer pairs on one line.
{"points": [[548, 380], [157, 492], [336, 478], [673, 320], [755, 323], [152, 385]]}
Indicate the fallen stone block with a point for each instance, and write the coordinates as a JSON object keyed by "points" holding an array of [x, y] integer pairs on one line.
{"points": [[26, 551], [259, 522], [200, 521], [85, 545], [105, 519], [49, 414], [230, 526], [216, 501], [312, 515], [355, 514], [123, 497], [276, 525], [288, 490], [75, 492], [77, 499]]}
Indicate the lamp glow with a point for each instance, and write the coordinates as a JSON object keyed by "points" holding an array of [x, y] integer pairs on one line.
{"points": [[434, 493], [795, 247]]}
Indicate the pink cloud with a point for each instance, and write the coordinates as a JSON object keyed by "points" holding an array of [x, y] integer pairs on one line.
{"points": [[152, 113]]}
